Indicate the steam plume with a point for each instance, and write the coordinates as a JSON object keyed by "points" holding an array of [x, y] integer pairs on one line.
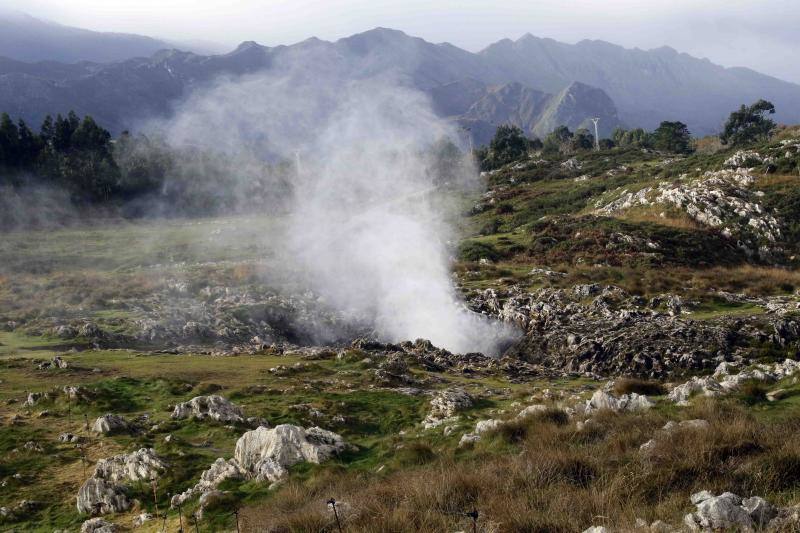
{"points": [[367, 230]]}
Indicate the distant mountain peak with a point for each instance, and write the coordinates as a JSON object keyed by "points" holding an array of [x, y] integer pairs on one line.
{"points": [[247, 45]]}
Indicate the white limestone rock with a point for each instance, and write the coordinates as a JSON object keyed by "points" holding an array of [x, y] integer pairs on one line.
{"points": [[219, 471], [445, 406], [266, 453], [213, 406], [98, 525], [100, 496], [142, 464], [109, 424], [627, 402]]}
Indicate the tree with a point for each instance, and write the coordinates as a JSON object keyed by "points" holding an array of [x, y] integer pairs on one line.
{"points": [[672, 137], [582, 140], [559, 140], [29, 145], [636, 137], [509, 144], [47, 130], [90, 136], [607, 144], [749, 124]]}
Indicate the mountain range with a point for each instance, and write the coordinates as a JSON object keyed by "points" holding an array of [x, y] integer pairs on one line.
{"points": [[25, 38], [535, 83]]}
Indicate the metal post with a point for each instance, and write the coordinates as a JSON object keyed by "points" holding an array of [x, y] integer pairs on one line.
{"points": [[596, 134], [154, 483], [236, 513], [180, 517], [474, 516], [332, 503]]}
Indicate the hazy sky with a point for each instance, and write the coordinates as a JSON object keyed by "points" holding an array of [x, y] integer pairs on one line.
{"points": [[761, 34]]}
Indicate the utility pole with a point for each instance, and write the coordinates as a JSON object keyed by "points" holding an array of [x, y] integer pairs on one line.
{"points": [[595, 120]]}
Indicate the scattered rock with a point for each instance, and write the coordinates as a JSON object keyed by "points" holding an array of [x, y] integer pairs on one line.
{"points": [[35, 397], [56, 362], [445, 405], [109, 424], [532, 410], [210, 479], [627, 402], [691, 425], [98, 525], [142, 519], [730, 512], [213, 406], [33, 446]]}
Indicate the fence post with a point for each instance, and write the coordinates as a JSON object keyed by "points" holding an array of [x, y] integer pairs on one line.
{"points": [[474, 516], [236, 513], [332, 503], [154, 483]]}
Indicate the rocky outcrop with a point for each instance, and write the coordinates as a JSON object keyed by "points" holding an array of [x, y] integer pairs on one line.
{"points": [[105, 491], [212, 407], [723, 381], [719, 199], [597, 330]]}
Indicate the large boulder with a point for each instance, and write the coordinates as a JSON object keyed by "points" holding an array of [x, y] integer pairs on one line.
{"points": [[627, 402], [109, 424], [100, 496], [105, 491], [213, 406], [730, 512], [266, 453]]}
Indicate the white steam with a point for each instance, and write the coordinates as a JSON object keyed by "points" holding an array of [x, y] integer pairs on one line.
{"points": [[366, 229]]}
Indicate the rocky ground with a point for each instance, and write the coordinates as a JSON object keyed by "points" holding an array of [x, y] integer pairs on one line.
{"points": [[164, 375]]}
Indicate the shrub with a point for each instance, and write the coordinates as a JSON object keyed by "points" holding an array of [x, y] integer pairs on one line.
{"points": [[639, 386], [475, 251]]}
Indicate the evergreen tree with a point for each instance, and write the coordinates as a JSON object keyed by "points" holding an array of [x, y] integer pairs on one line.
{"points": [[9, 142], [672, 137]]}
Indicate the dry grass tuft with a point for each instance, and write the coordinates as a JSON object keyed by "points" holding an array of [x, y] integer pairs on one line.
{"points": [[639, 386]]}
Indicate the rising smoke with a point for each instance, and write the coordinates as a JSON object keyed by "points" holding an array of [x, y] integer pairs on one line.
{"points": [[367, 229]]}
